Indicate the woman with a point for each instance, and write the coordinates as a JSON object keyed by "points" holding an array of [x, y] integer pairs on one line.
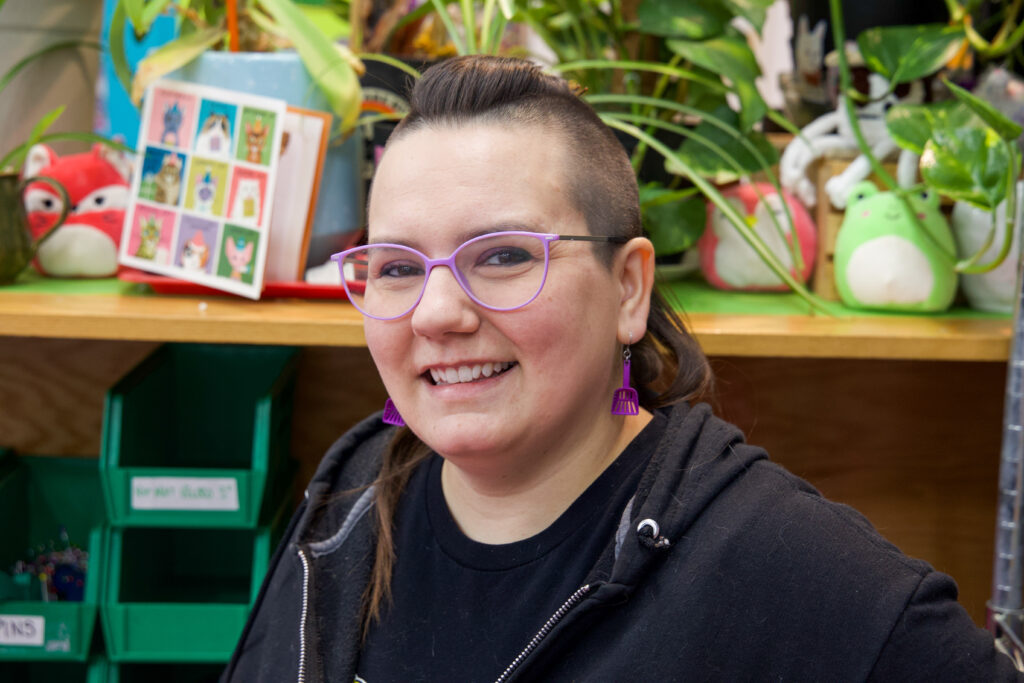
{"points": [[531, 521]]}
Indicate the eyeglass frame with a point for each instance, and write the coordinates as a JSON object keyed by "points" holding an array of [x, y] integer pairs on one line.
{"points": [[449, 262]]}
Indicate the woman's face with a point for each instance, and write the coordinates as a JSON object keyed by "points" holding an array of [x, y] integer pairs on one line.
{"points": [[434, 189]]}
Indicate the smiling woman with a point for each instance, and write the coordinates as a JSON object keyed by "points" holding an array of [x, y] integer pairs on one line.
{"points": [[524, 517]]}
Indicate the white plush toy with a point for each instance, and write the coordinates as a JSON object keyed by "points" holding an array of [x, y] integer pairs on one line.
{"points": [[833, 132]]}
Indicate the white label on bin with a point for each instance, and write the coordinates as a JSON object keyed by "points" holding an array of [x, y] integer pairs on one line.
{"points": [[184, 493], [19, 629]]}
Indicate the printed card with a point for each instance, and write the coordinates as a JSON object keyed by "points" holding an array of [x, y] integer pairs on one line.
{"points": [[303, 150], [203, 190]]}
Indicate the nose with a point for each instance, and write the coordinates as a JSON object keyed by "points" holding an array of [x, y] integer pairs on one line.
{"points": [[444, 307]]}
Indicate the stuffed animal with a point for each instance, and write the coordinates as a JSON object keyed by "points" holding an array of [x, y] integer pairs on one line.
{"points": [[97, 183], [726, 259], [882, 259], [834, 132]]}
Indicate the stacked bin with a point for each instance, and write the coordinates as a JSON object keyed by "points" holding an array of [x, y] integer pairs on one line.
{"points": [[45, 640], [196, 479]]}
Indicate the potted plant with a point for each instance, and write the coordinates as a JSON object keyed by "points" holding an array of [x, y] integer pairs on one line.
{"points": [[244, 45], [968, 150]]}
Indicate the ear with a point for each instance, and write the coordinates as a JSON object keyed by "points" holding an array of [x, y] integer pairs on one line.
{"points": [[39, 157], [120, 161], [634, 267]]}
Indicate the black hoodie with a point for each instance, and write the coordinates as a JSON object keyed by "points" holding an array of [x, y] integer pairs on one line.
{"points": [[725, 567]]}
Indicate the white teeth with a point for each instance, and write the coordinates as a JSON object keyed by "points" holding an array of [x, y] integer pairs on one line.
{"points": [[467, 373]]}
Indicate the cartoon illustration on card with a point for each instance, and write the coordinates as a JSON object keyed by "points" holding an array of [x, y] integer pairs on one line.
{"points": [[203, 195], [150, 237], [237, 252], [216, 123], [248, 189], [197, 238], [172, 118], [256, 132], [206, 186], [161, 176]]}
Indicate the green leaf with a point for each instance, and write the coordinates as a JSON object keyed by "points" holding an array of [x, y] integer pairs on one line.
{"points": [[329, 64], [907, 53], [672, 225], [54, 47], [969, 163], [118, 55], [153, 9], [133, 8], [173, 55], [683, 19], [753, 11], [332, 26], [44, 124], [731, 57], [508, 8], [710, 163], [912, 125], [1004, 127]]}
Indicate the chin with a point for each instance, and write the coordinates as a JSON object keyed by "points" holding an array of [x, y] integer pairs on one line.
{"points": [[465, 436]]}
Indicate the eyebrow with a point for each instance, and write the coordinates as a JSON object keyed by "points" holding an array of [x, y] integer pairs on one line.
{"points": [[463, 237]]}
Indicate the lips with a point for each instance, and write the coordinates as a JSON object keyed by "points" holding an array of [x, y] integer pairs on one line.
{"points": [[468, 373]]}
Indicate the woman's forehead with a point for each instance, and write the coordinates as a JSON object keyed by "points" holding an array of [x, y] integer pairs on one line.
{"points": [[465, 181]]}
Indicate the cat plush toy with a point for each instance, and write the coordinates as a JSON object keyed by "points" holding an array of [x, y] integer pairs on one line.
{"points": [[728, 262], [97, 183], [884, 261]]}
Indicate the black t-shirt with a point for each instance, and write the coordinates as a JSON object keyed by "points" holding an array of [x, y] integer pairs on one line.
{"points": [[463, 610]]}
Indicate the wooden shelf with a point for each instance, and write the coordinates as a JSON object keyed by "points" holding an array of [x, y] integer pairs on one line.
{"points": [[328, 323]]}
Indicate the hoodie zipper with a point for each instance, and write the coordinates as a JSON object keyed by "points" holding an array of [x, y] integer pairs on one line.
{"points": [[302, 618], [544, 631]]}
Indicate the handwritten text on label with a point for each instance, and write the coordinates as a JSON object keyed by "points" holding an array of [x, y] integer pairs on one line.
{"points": [[184, 493]]}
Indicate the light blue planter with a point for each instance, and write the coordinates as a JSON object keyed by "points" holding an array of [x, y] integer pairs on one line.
{"points": [[339, 210]]}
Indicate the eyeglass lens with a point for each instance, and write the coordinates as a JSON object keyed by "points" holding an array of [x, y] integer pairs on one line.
{"points": [[500, 271]]}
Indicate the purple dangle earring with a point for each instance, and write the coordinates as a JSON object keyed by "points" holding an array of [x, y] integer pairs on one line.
{"points": [[625, 401], [391, 415]]}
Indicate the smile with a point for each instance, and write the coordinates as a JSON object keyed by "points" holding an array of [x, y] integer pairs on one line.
{"points": [[468, 373]]}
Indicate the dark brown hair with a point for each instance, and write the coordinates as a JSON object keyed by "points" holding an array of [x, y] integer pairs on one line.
{"points": [[668, 365]]}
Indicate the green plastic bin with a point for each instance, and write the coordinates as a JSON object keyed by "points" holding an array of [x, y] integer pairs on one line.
{"points": [[38, 495], [182, 594], [198, 435]]}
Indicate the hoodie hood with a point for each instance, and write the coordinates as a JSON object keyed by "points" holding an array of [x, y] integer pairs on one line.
{"points": [[698, 456]]}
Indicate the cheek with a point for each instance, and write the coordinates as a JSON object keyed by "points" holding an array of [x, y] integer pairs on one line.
{"points": [[383, 340]]}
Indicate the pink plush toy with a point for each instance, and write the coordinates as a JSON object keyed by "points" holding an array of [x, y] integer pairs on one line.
{"points": [[97, 183], [726, 259]]}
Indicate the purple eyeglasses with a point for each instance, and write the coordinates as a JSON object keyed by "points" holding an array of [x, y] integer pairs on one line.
{"points": [[501, 271]]}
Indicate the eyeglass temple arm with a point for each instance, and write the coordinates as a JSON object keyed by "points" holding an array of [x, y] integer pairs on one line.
{"points": [[594, 238]]}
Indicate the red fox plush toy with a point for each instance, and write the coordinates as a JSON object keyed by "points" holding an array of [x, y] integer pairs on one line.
{"points": [[97, 183]]}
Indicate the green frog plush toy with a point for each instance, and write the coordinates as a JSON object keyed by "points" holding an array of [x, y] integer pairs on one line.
{"points": [[884, 261]]}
